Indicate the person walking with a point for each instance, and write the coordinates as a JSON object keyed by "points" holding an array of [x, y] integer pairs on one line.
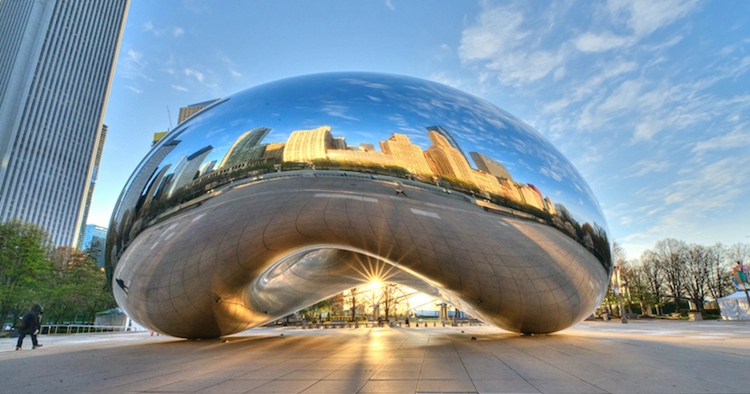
{"points": [[32, 322]]}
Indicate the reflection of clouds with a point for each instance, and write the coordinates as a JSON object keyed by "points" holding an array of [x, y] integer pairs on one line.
{"points": [[338, 111], [368, 84], [368, 108]]}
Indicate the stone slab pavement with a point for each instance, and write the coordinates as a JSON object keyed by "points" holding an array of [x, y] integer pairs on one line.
{"points": [[644, 356]]}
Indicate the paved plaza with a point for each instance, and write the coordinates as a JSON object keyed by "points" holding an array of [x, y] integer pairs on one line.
{"points": [[592, 357]]}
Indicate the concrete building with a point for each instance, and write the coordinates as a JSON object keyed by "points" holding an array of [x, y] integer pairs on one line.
{"points": [[57, 59], [192, 109]]}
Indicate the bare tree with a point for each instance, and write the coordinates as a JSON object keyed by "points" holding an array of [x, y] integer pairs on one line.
{"points": [[653, 276], [698, 268], [671, 255], [739, 252], [720, 278]]}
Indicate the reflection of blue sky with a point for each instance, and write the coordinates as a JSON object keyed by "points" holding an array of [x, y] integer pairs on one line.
{"points": [[368, 108]]}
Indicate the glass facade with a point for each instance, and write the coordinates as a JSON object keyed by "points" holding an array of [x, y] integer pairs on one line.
{"points": [[57, 59]]}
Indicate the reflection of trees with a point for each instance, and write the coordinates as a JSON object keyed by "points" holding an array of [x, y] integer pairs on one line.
{"points": [[591, 236]]}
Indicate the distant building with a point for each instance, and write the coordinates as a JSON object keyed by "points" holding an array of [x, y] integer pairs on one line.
{"points": [[57, 60], [94, 238], [158, 136], [192, 109], [94, 176]]}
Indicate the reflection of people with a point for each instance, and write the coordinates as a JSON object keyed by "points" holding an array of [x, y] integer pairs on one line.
{"points": [[400, 189], [32, 322], [121, 283], [407, 322], [380, 322]]}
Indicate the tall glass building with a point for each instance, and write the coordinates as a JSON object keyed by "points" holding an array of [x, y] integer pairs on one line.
{"points": [[57, 59]]}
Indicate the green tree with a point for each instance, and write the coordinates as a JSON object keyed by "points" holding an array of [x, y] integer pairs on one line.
{"points": [[23, 261], [76, 288]]}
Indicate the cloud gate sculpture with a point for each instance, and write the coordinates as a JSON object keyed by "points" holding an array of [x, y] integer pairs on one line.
{"points": [[285, 194]]}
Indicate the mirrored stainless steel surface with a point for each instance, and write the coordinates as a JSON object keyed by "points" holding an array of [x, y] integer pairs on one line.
{"points": [[287, 193]]}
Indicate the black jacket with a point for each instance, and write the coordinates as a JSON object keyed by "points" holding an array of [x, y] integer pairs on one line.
{"points": [[32, 321]]}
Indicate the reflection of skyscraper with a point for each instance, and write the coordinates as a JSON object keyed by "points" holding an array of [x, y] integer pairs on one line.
{"points": [[339, 143], [189, 169], [406, 154], [190, 110], [138, 184], [447, 160], [207, 167], [307, 145], [490, 166], [56, 65], [153, 188], [448, 137], [549, 207], [274, 152], [246, 147], [530, 196]]}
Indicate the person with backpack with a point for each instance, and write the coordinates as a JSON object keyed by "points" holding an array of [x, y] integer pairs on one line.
{"points": [[32, 322]]}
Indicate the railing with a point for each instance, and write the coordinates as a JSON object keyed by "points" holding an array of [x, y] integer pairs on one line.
{"points": [[55, 329]]}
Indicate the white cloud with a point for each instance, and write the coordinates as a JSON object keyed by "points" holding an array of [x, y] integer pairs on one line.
{"points": [[178, 31], [389, 4], [625, 97], [180, 88], [738, 137], [500, 43], [647, 166], [590, 42], [133, 65], [592, 84], [197, 74], [135, 56], [646, 16], [235, 73], [134, 89]]}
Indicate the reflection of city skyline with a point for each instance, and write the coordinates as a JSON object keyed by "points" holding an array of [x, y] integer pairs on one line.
{"points": [[443, 159]]}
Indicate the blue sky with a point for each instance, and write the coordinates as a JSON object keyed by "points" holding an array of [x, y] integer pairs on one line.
{"points": [[649, 100]]}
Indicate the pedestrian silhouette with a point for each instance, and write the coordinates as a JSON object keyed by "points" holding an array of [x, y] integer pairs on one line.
{"points": [[30, 325]]}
